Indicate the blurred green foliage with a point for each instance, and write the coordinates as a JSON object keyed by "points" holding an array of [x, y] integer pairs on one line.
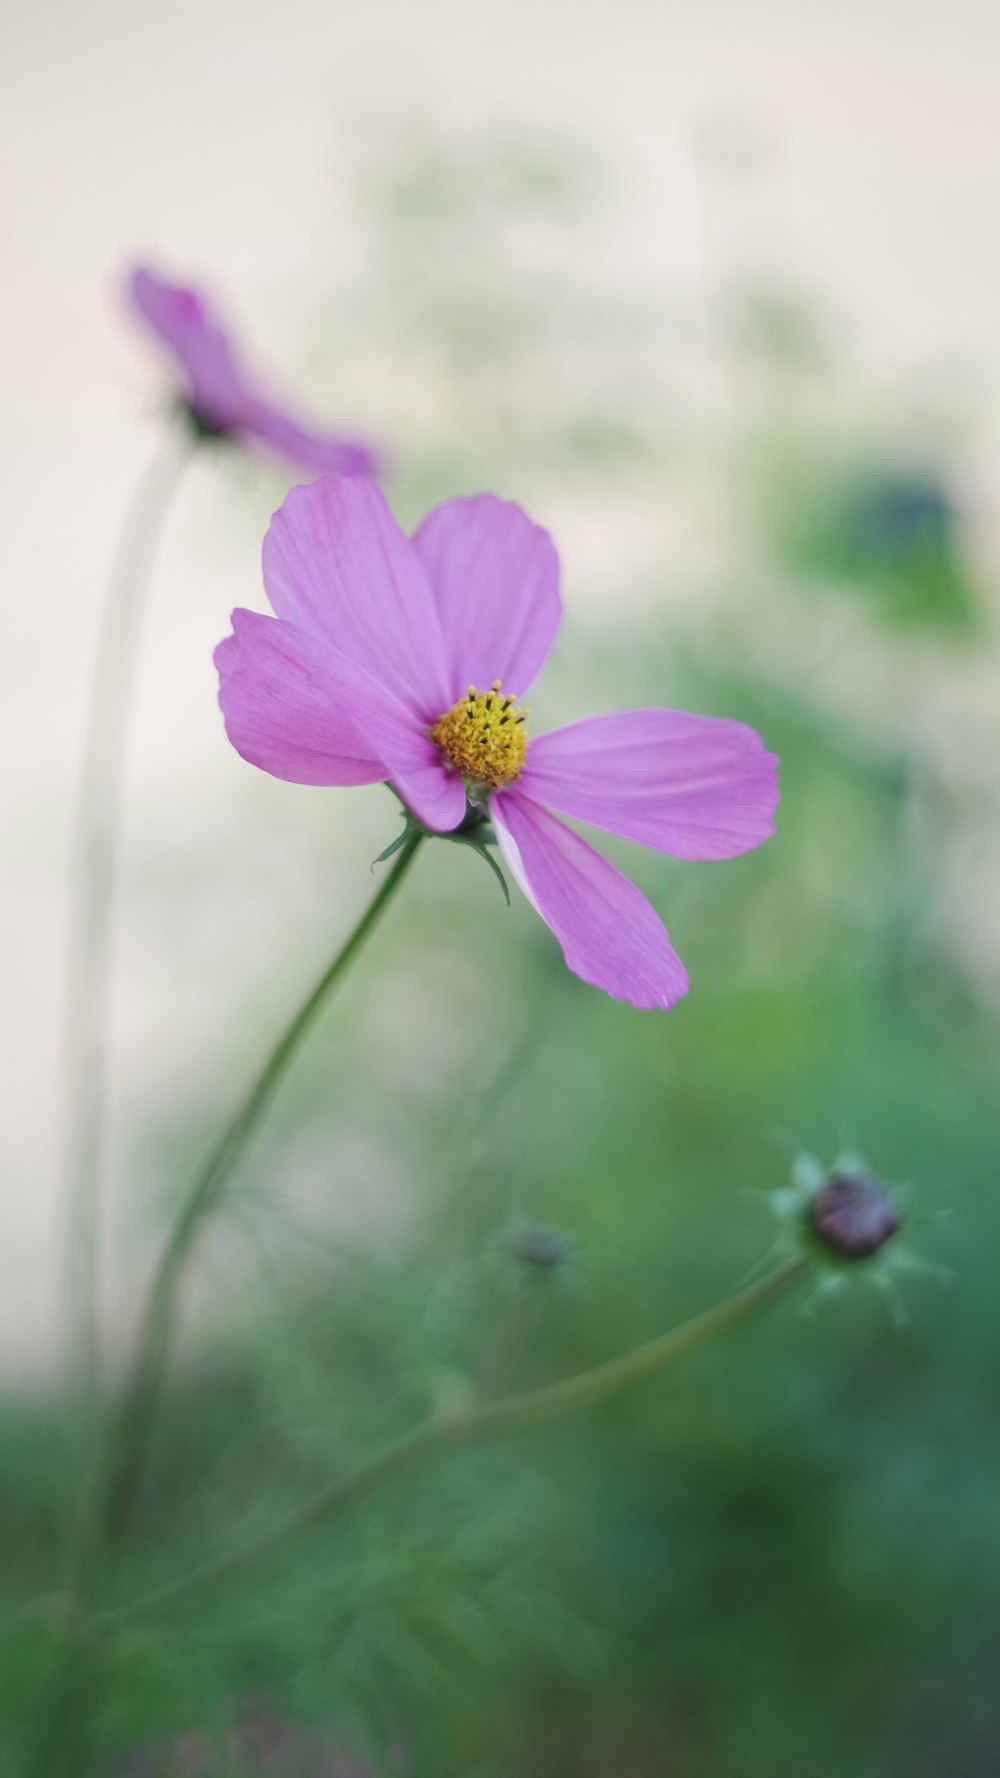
{"points": [[779, 1559], [888, 531]]}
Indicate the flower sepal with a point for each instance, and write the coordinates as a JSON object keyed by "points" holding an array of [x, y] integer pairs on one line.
{"points": [[475, 831], [398, 843], [480, 837]]}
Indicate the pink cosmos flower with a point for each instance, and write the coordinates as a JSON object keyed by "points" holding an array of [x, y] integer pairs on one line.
{"points": [[222, 400], [388, 659]]}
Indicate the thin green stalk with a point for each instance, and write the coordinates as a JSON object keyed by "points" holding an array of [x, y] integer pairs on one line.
{"points": [[132, 1422], [587, 1389], [102, 782]]}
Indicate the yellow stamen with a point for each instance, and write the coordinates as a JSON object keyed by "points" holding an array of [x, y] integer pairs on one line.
{"points": [[483, 736]]}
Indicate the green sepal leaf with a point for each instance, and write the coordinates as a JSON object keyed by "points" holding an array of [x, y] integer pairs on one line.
{"points": [[394, 845], [475, 832], [477, 844]]}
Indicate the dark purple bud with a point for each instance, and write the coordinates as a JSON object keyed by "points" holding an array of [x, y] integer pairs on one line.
{"points": [[853, 1214]]}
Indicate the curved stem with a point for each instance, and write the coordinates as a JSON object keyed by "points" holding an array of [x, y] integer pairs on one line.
{"points": [[498, 1419], [102, 784], [130, 1426]]}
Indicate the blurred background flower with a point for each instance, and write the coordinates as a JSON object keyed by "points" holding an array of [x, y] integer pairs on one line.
{"points": [[220, 399], [708, 295]]}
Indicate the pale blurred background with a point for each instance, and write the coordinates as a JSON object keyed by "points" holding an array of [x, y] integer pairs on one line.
{"points": [[715, 292]]}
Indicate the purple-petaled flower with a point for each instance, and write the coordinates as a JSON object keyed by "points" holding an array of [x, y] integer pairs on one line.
{"points": [[387, 659], [221, 399]]}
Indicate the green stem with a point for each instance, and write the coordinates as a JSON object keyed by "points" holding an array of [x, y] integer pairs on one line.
{"points": [[102, 783], [131, 1424], [587, 1389]]}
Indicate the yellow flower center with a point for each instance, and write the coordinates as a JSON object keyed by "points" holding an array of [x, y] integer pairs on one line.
{"points": [[483, 736]]}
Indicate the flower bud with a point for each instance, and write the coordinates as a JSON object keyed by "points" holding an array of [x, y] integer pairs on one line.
{"points": [[541, 1247], [853, 1214]]}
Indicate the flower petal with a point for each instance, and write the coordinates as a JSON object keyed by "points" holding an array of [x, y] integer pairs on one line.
{"points": [[181, 318], [325, 453], [495, 577], [337, 564], [609, 932], [219, 389], [278, 715], [696, 786], [298, 709]]}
